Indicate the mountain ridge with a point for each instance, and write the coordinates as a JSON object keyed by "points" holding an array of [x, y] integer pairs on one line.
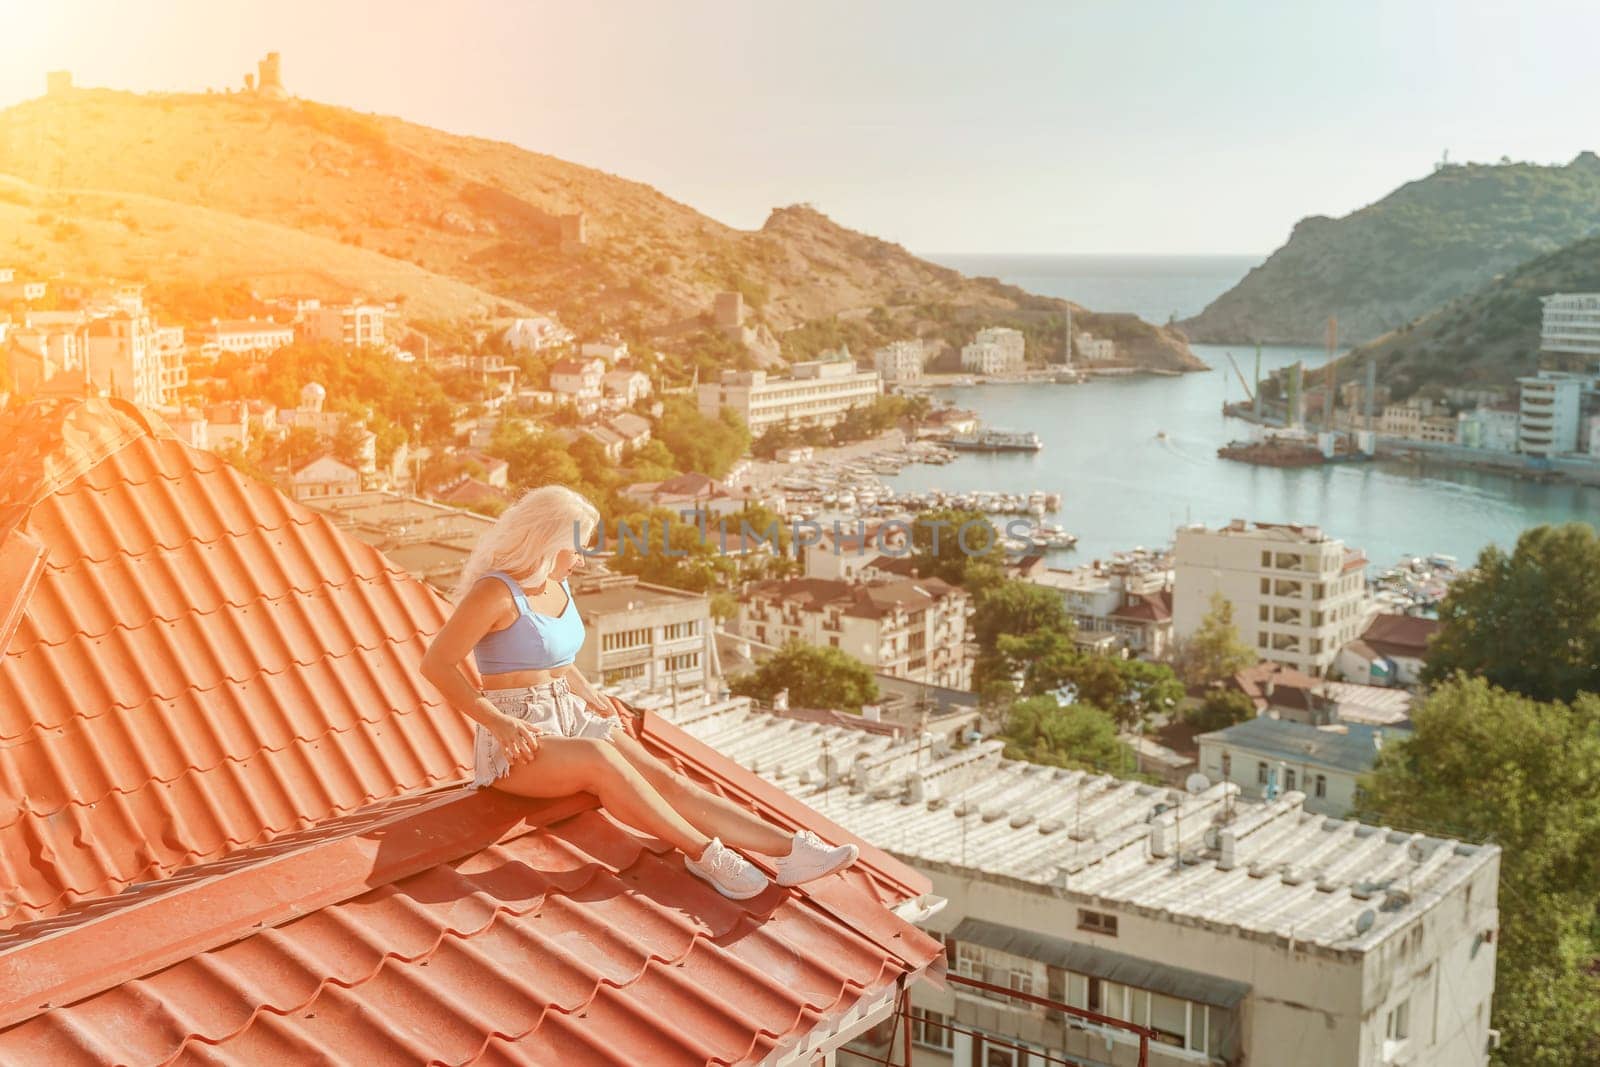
{"points": [[483, 214]]}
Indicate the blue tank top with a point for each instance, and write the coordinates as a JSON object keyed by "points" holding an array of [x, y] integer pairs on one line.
{"points": [[532, 641]]}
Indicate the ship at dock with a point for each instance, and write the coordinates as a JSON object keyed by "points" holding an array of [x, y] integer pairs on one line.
{"points": [[996, 441]]}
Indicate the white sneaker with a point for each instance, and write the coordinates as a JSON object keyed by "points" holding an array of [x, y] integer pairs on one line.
{"points": [[733, 876], [812, 858]]}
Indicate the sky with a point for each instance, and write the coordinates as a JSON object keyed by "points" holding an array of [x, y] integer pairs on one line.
{"points": [[1139, 126]]}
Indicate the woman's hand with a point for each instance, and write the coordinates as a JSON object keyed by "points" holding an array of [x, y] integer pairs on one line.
{"points": [[518, 738], [609, 706]]}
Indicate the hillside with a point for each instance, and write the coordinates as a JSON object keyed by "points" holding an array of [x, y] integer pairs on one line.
{"points": [[386, 206], [1421, 246], [1488, 337]]}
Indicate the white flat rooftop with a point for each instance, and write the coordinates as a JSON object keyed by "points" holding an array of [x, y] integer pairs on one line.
{"points": [[1294, 875]]}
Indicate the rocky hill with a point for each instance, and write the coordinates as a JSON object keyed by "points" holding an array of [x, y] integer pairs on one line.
{"points": [[1421, 246], [291, 195], [1488, 337]]}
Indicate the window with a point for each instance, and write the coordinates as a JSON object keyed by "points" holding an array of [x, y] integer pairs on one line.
{"points": [[1227, 764], [1266, 586], [1261, 639], [624, 674], [1097, 922], [833, 640], [1261, 613], [1266, 559], [687, 661], [1288, 780], [1261, 773], [624, 639], [1321, 787], [1397, 1026], [932, 1029], [1169, 1018], [677, 630]]}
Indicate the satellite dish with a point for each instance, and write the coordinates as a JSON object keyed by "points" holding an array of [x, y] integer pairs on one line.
{"points": [[1365, 920], [1196, 784]]}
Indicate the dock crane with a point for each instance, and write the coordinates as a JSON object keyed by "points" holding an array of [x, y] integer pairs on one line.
{"points": [[1249, 394]]}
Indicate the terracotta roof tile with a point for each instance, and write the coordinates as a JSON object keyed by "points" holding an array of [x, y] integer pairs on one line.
{"points": [[196, 651]]}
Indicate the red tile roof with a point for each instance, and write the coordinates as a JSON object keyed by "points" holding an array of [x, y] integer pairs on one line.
{"points": [[205, 682], [1400, 635], [201, 665]]}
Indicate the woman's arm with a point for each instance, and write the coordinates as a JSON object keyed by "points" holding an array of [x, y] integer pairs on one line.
{"points": [[587, 693], [482, 609]]}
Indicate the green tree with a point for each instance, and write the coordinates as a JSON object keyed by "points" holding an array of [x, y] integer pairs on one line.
{"points": [[1213, 652], [1018, 607], [1040, 730], [1486, 764], [1221, 709], [1530, 621], [815, 678], [955, 545], [697, 443]]}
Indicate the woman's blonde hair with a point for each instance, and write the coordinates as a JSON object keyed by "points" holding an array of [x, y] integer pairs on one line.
{"points": [[524, 540]]}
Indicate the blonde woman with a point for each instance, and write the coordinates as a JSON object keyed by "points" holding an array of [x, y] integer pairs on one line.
{"points": [[544, 731]]}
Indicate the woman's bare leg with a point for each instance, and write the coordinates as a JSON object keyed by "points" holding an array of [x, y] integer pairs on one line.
{"points": [[567, 765], [710, 814]]}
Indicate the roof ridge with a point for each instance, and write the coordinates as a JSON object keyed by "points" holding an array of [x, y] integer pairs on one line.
{"points": [[67, 438], [24, 809]]}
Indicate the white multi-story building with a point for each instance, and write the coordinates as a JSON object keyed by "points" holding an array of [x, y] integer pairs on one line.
{"points": [[1298, 595], [358, 325], [1092, 349], [1241, 933], [1491, 428], [129, 357], [578, 380], [909, 628], [646, 637], [1266, 757], [1571, 324], [899, 361], [1132, 603], [1552, 407], [816, 393], [996, 350], [246, 336]]}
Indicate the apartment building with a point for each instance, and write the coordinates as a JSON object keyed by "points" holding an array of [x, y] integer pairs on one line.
{"points": [[913, 628], [1267, 757], [579, 380], [1493, 428], [1551, 412], [1130, 602], [1298, 595], [816, 393], [1092, 349], [128, 357], [1240, 932], [995, 350], [646, 636], [1571, 324], [899, 361], [256, 337], [358, 325]]}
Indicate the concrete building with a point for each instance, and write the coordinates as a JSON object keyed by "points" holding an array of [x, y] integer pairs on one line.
{"points": [[899, 361], [1571, 324], [1493, 429], [24, 291], [258, 337], [579, 380], [1130, 601], [1266, 757], [995, 350], [536, 333], [1092, 349], [429, 540], [1242, 933], [1391, 651], [633, 429], [646, 636], [358, 325], [816, 393], [1298, 595], [909, 628], [728, 311], [1551, 412], [324, 476], [126, 359], [852, 551], [694, 494], [613, 352], [626, 386], [47, 355]]}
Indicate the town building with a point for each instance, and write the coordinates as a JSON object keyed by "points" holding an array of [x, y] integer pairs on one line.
{"points": [[727, 311], [324, 476], [633, 429], [239, 773], [817, 393], [535, 334], [910, 628], [14, 290], [127, 356], [431, 541], [611, 443], [579, 381], [1130, 601], [1266, 757], [1280, 692], [1491, 428], [1092, 349], [609, 352], [899, 361], [46, 354], [253, 337], [1551, 412], [850, 552], [646, 636], [1298, 595], [626, 386], [356, 325], [492, 370], [1391, 651], [694, 494], [995, 350], [1571, 324], [1233, 929]]}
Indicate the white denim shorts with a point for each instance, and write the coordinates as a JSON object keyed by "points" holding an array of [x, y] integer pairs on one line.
{"points": [[552, 709]]}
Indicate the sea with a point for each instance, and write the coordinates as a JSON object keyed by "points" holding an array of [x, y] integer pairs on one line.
{"points": [[1134, 458]]}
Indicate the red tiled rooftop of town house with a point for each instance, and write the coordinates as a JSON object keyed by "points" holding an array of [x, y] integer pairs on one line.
{"points": [[1400, 635], [241, 827]]}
